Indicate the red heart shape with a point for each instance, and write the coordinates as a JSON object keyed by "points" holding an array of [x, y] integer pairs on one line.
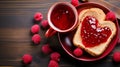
{"points": [[92, 33]]}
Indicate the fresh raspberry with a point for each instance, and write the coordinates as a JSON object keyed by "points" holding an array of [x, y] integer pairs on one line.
{"points": [[53, 63], [38, 16], [35, 28], [75, 2], [55, 56], [78, 52], [36, 38], [27, 59], [46, 49], [44, 24], [110, 16], [116, 56]]}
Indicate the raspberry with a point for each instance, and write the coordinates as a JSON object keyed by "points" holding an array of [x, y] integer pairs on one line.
{"points": [[53, 63], [75, 2], [110, 16], [27, 59], [36, 38], [116, 56], [55, 56], [46, 49], [44, 24], [38, 16], [35, 28], [78, 52]]}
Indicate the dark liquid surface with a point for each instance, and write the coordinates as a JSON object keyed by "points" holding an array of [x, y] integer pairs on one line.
{"points": [[63, 17], [92, 34]]}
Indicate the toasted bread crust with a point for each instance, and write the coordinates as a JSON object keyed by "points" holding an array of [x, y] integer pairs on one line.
{"points": [[100, 16]]}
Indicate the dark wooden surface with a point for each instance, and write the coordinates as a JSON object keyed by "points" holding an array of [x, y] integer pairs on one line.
{"points": [[16, 19]]}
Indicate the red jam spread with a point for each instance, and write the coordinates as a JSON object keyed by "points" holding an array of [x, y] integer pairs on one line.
{"points": [[92, 34]]}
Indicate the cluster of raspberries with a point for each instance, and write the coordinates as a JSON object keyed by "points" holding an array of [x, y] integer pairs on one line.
{"points": [[54, 56], [36, 39]]}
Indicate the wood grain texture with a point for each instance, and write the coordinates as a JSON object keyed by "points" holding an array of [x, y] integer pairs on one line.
{"points": [[16, 19]]}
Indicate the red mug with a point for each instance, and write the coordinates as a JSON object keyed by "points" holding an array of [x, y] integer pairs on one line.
{"points": [[62, 17]]}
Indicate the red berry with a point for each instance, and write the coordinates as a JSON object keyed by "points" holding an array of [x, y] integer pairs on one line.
{"points": [[53, 63], [55, 56], [44, 24], [75, 2], [116, 56], [27, 59], [36, 38], [110, 16], [35, 28], [46, 49], [38, 16], [78, 52]]}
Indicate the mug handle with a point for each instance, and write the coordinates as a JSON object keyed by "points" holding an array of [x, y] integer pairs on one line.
{"points": [[50, 32]]}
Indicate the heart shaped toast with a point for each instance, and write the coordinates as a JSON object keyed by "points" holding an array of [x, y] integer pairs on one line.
{"points": [[94, 33]]}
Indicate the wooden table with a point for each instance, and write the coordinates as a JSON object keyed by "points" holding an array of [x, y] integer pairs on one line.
{"points": [[16, 19]]}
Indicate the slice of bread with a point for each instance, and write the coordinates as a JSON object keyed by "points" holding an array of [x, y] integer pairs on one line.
{"points": [[100, 16]]}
